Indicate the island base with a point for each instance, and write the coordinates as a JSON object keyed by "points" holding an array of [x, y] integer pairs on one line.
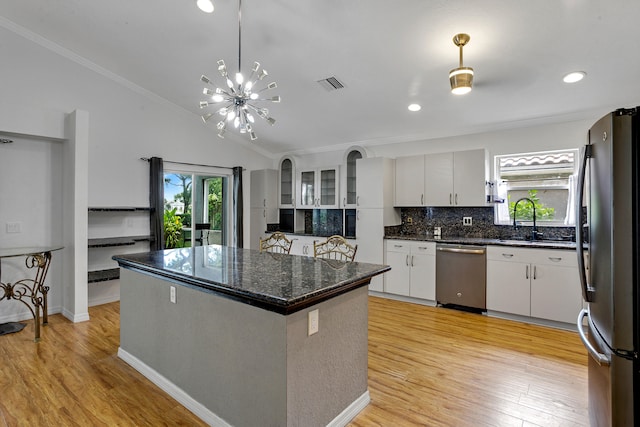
{"points": [[235, 364]]}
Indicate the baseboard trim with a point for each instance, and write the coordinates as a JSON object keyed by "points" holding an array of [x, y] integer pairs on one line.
{"points": [[172, 390], [26, 315], [351, 411], [104, 300], [76, 318]]}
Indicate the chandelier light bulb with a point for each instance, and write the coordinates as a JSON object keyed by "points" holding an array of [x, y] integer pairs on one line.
{"points": [[239, 78], [217, 98]]}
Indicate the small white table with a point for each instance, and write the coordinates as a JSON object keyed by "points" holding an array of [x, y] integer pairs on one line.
{"points": [[30, 290]]}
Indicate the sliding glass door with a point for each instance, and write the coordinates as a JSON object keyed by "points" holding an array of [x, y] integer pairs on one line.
{"points": [[196, 210]]}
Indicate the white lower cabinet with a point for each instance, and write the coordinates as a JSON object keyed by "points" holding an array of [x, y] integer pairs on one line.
{"points": [[541, 283], [302, 245], [413, 269]]}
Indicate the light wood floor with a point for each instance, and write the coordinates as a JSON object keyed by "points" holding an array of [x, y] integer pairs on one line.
{"points": [[427, 367]]}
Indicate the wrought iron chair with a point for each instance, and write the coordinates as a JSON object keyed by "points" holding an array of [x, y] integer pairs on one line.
{"points": [[336, 248], [277, 243]]}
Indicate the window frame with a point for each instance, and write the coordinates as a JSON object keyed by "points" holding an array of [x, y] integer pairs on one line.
{"points": [[502, 215]]}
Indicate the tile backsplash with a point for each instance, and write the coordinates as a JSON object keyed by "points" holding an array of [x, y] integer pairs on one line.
{"points": [[421, 221]]}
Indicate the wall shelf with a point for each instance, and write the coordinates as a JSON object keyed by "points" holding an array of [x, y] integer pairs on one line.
{"points": [[117, 241], [103, 275], [126, 225]]}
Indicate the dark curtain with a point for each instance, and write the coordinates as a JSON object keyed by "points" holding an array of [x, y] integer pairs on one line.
{"points": [[156, 203], [237, 205]]}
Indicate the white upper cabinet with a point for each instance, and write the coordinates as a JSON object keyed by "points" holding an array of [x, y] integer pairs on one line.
{"points": [[286, 183], [264, 189], [438, 179], [445, 179], [470, 176], [349, 178], [409, 186], [318, 188]]}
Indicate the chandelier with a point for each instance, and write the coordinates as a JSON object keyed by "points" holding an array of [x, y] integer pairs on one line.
{"points": [[238, 100]]}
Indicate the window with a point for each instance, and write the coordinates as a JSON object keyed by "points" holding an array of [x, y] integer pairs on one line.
{"points": [[546, 178]]}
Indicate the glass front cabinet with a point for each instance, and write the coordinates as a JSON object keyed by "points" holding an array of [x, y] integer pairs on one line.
{"points": [[318, 188], [286, 183], [349, 194]]}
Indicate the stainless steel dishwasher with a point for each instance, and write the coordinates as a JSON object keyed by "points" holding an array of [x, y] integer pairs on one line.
{"points": [[461, 276]]}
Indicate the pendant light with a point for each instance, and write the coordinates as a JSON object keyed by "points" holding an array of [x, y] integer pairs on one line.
{"points": [[461, 78]]}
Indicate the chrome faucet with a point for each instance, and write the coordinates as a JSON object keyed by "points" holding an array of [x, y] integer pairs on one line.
{"points": [[534, 232]]}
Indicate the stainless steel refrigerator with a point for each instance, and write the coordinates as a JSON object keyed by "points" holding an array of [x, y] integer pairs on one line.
{"points": [[608, 254]]}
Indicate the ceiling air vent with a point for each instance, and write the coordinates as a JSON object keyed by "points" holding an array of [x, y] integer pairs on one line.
{"points": [[331, 83]]}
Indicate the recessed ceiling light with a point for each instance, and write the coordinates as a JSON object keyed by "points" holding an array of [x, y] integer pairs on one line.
{"points": [[205, 5], [414, 107], [574, 77]]}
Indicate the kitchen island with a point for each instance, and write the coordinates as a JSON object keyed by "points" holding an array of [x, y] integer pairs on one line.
{"points": [[225, 331]]}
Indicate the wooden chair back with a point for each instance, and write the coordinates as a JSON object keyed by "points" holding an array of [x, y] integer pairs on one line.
{"points": [[277, 243], [335, 247]]}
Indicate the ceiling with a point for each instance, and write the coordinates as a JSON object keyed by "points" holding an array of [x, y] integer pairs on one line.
{"points": [[387, 54]]}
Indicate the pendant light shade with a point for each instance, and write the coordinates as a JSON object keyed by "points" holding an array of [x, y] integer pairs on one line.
{"points": [[461, 78]]}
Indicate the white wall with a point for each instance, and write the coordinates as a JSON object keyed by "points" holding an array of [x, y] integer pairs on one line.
{"points": [[125, 123], [30, 179]]}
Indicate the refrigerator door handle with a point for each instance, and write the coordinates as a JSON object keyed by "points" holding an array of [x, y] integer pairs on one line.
{"points": [[600, 358], [587, 290]]}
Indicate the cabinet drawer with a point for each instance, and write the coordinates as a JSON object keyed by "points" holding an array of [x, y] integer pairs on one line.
{"points": [[401, 246], [506, 253], [563, 258], [426, 248]]}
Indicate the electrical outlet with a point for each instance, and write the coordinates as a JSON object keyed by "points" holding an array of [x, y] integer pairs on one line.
{"points": [[172, 297], [409, 220], [313, 324], [14, 227], [467, 220]]}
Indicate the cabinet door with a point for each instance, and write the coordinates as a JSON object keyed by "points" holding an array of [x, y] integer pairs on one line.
{"points": [[370, 241], [555, 293], [469, 178], [438, 179], [369, 186], [423, 275], [328, 186], [258, 227], [397, 280], [307, 187], [263, 193], [508, 287], [409, 181], [286, 184]]}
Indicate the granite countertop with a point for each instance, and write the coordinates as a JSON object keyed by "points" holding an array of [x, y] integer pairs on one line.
{"points": [[276, 282], [543, 244]]}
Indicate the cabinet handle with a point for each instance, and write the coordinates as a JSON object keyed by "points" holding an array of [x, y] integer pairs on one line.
{"points": [[264, 213], [344, 201], [422, 199], [264, 203], [424, 248], [534, 272], [406, 260], [358, 215], [555, 259], [450, 199], [411, 260], [527, 272], [507, 255], [456, 198], [398, 246], [357, 200]]}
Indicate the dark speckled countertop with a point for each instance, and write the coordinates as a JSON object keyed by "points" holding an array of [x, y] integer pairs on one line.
{"points": [[276, 282], [543, 244]]}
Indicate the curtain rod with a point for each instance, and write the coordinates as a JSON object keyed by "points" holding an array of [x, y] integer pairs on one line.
{"points": [[146, 159]]}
